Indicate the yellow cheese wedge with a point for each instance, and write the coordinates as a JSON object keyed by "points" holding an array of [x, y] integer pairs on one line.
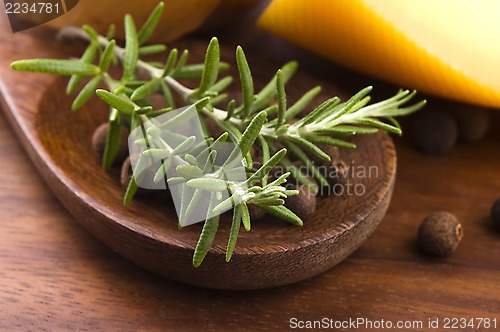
{"points": [[449, 48]]}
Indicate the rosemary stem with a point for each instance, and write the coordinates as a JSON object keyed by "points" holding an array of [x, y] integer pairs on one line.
{"points": [[77, 33], [183, 91]]}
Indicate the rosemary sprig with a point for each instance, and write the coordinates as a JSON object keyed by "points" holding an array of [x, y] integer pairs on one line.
{"points": [[194, 167]]}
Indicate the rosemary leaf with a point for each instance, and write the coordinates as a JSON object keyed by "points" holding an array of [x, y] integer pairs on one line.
{"points": [[135, 121], [222, 84], [192, 160], [146, 90], [59, 67], [233, 132], [113, 139], [195, 71], [93, 35], [233, 234], [302, 103], [269, 91], [297, 174], [379, 124], [271, 110], [87, 92], [280, 88], [111, 31], [265, 155], [162, 171], [217, 99], [169, 65], [167, 94], [107, 56], [394, 122], [208, 184], [130, 192], [150, 25], [175, 180], [408, 110], [131, 49], [246, 82], [155, 113], [201, 146], [206, 238], [211, 67], [193, 202], [204, 151], [230, 109], [152, 49], [144, 110], [180, 64], [306, 161], [266, 167], [280, 180], [347, 130], [135, 83], [245, 216], [224, 205], [310, 147], [121, 104], [251, 132], [210, 162], [284, 213], [312, 116], [156, 153], [271, 201], [185, 194], [190, 172], [332, 141], [184, 116], [351, 105], [87, 57]]}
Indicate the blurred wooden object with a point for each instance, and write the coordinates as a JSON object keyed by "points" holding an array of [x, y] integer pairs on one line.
{"points": [[179, 17]]}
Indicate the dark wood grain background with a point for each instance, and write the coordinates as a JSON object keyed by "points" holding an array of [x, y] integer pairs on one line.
{"points": [[55, 276]]}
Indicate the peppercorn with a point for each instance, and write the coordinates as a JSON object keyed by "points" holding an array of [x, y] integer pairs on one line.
{"points": [[99, 142], [473, 122], [440, 233], [495, 212], [435, 132], [303, 204], [337, 175], [255, 212], [126, 175]]}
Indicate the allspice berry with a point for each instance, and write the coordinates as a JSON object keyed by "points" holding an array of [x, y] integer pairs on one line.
{"points": [[99, 142], [473, 122], [337, 175], [495, 213], [256, 212], [440, 233], [126, 175], [303, 204], [435, 132]]}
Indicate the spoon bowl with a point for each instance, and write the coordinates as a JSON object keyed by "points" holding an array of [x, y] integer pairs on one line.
{"points": [[273, 253]]}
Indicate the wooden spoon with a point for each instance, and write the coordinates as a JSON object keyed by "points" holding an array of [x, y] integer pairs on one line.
{"points": [[273, 253]]}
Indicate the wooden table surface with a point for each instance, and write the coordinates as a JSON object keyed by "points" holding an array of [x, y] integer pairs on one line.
{"points": [[56, 276]]}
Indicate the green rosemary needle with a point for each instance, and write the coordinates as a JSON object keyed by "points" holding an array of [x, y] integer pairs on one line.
{"points": [[195, 166]]}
